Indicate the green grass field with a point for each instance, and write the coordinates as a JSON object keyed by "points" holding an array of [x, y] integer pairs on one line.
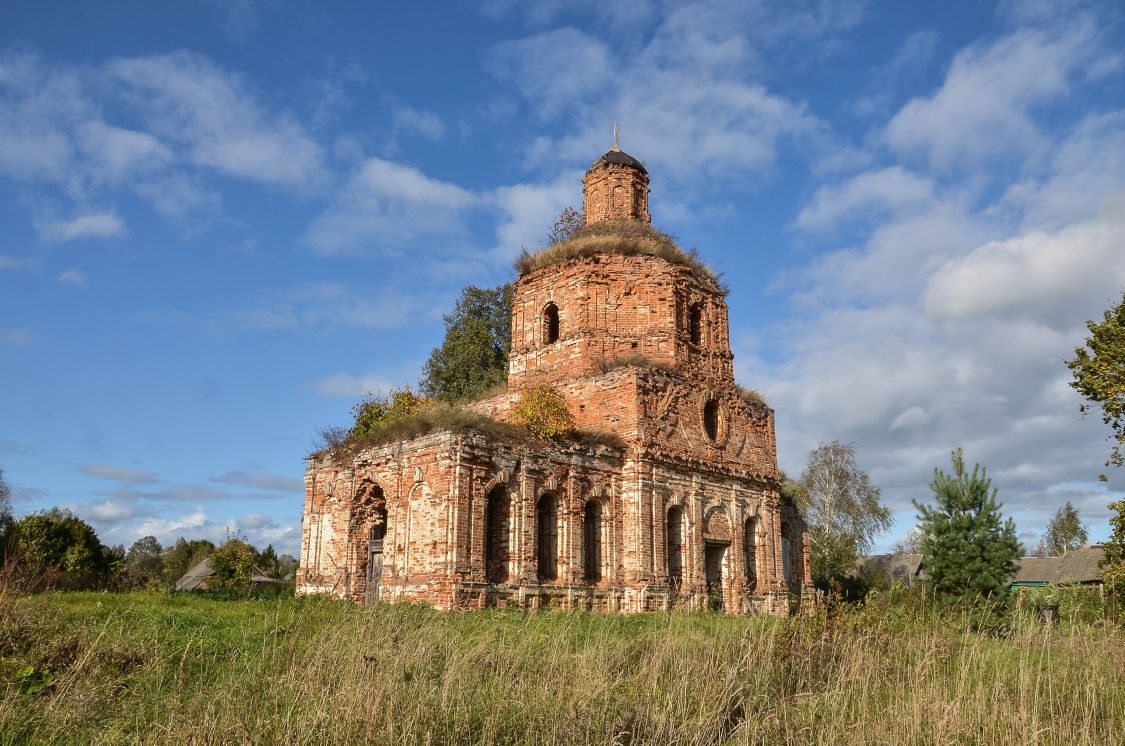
{"points": [[153, 668]]}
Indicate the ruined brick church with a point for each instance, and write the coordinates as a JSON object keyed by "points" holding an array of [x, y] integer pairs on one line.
{"points": [[681, 510]]}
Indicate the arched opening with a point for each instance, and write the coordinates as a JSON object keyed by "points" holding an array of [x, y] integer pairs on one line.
{"points": [[496, 518], [711, 419], [592, 542], [786, 560], [368, 527], [375, 536], [750, 551], [675, 546], [695, 323], [551, 324], [547, 536]]}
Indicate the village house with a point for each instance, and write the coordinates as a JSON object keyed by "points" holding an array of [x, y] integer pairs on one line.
{"points": [[680, 507]]}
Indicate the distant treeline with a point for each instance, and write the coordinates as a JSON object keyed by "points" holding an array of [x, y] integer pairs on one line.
{"points": [[55, 549]]}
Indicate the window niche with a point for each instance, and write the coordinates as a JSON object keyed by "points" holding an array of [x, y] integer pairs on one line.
{"points": [[547, 535], [550, 324], [711, 419], [695, 323]]}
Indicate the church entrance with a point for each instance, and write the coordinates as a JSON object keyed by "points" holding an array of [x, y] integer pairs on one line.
{"points": [[713, 553]]}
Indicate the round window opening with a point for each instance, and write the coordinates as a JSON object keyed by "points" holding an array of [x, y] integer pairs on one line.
{"points": [[711, 419]]}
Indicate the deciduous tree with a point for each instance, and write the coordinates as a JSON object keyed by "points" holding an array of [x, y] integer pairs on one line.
{"points": [[144, 562], [233, 565], [969, 549], [842, 508], [1099, 375], [1113, 563], [60, 549], [566, 224], [473, 355], [1064, 532]]}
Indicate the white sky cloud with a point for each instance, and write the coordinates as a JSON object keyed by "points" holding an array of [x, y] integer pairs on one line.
{"points": [[118, 473], [90, 225]]}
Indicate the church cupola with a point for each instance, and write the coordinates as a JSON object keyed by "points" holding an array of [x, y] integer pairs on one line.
{"points": [[616, 188]]}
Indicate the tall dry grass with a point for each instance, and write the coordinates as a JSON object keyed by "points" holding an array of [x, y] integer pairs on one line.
{"points": [[157, 669]]}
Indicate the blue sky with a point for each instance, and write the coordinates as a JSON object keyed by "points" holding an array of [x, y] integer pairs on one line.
{"points": [[223, 222]]}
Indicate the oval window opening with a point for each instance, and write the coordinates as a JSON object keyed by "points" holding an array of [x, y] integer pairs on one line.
{"points": [[711, 419], [551, 324]]}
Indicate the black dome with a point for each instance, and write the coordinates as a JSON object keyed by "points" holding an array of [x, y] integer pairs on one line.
{"points": [[622, 158]]}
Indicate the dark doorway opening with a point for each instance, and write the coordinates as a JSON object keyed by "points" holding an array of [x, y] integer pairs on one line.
{"points": [[713, 553], [496, 520], [375, 554], [675, 546]]}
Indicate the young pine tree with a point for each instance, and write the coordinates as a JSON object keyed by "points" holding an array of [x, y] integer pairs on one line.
{"points": [[969, 550]]}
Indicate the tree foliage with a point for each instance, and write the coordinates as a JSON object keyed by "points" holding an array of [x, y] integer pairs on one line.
{"points": [[969, 551], [61, 550], [1064, 532], [144, 562], [566, 225], [1113, 563], [233, 565], [375, 413], [184, 555], [542, 410], [473, 355], [842, 509], [1099, 375]]}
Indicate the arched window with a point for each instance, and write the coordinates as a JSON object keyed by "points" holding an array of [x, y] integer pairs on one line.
{"points": [[592, 542], [695, 323], [711, 419], [547, 534], [750, 550], [551, 324], [496, 517], [675, 545]]}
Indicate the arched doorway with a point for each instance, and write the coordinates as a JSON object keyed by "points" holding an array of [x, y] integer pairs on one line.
{"points": [[497, 512], [675, 531], [592, 541], [547, 537]]}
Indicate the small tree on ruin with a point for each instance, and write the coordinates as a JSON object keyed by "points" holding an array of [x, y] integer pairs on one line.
{"points": [[473, 356]]}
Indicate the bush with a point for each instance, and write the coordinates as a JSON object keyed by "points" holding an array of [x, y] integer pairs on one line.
{"points": [[542, 410], [378, 412]]}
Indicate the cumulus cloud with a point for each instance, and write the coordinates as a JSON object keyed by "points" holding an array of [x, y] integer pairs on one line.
{"points": [[889, 190], [90, 225], [985, 108], [689, 95], [187, 99], [946, 322], [1040, 274], [388, 207]]}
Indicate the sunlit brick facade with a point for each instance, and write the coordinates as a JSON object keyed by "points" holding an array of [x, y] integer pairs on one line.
{"points": [[687, 512]]}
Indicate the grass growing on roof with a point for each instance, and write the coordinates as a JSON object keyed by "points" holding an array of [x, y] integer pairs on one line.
{"points": [[622, 237]]}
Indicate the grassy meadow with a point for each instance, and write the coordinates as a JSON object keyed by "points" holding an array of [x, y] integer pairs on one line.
{"points": [[156, 668]]}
